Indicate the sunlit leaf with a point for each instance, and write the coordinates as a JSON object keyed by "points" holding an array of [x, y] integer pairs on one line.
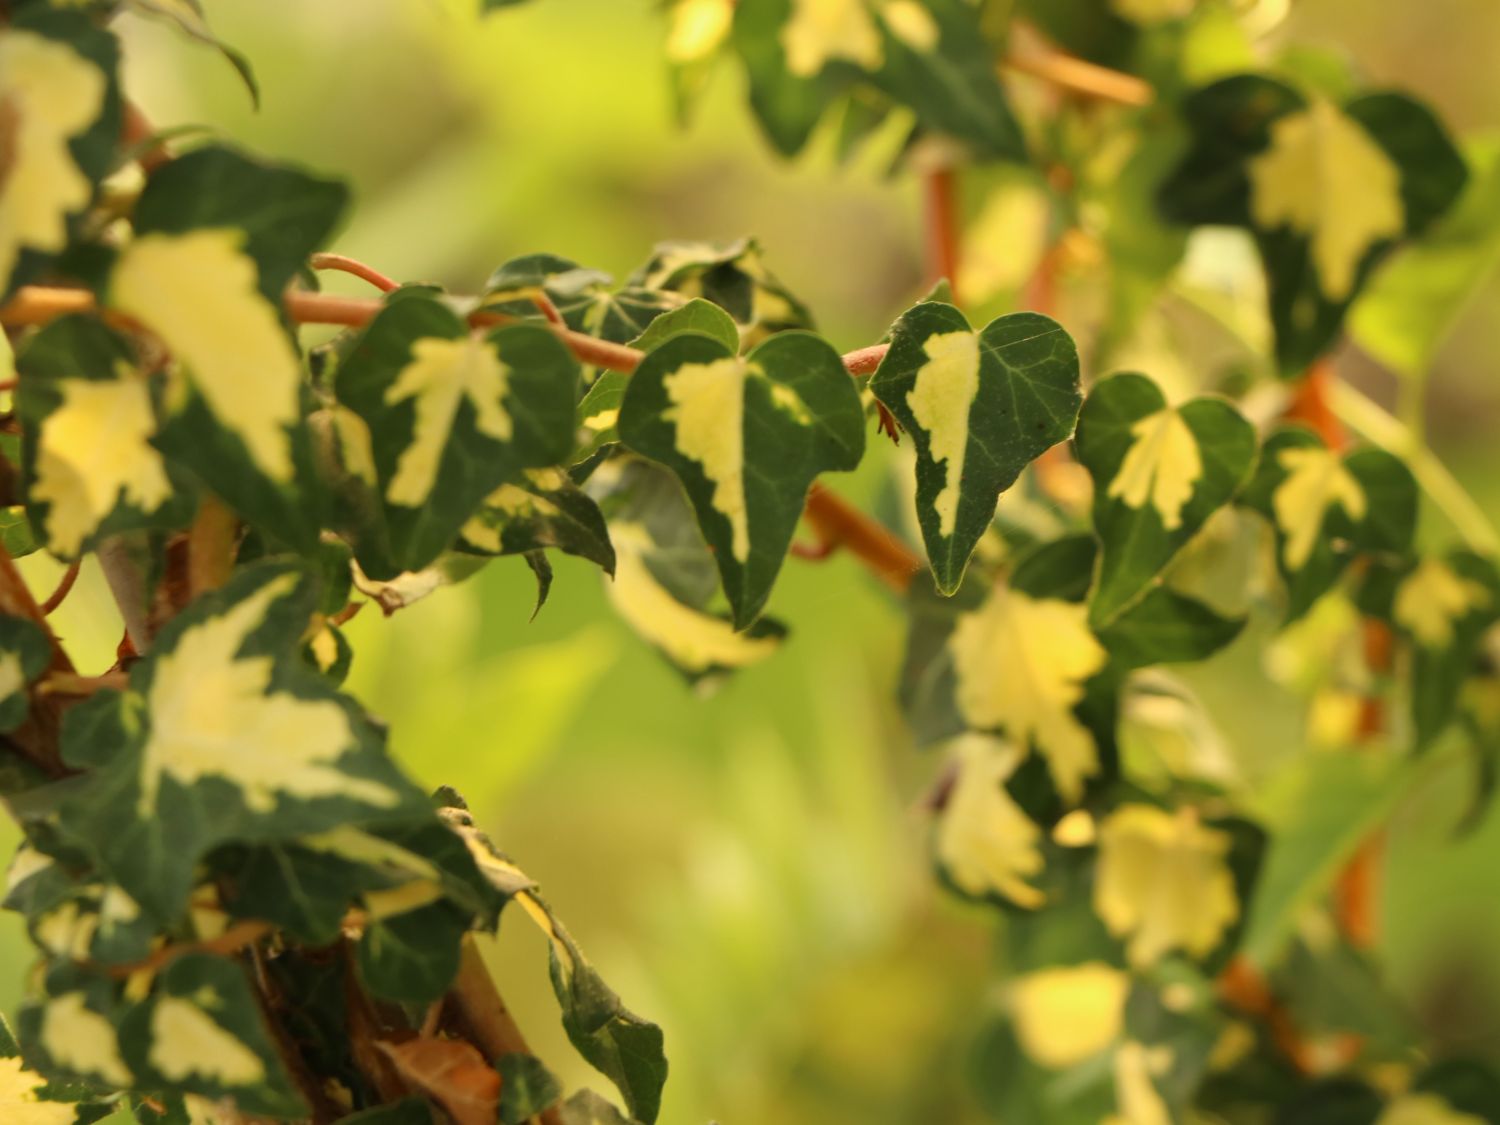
{"points": [[983, 841], [1067, 1014], [980, 406]]}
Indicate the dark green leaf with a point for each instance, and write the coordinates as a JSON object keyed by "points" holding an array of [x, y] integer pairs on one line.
{"points": [[1165, 627], [526, 1087]]}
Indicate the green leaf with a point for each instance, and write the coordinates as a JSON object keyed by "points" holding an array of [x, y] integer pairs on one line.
{"points": [[1406, 313], [746, 437], [1159, 472], [1165, 627], [1326, 509], [732, 275], [16, 535], [224, 735], [1317, 813], [89, 417], [1466, 1085], [451, 416], [201, 1032], [1327, 190], [544, 509], [587, 1108], [700, 316], [57, 78], [526, 1087], [412, 957], [218, 237], [25, 653], [980, 406], [787, 105]]}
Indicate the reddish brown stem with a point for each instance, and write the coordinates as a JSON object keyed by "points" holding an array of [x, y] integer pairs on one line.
{"points": [[943, 235], [138, 131], [64, 587], [837, 523], [345, 264]]}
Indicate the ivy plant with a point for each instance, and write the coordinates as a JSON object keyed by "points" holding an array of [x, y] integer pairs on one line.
{"points": [[242, 909]]}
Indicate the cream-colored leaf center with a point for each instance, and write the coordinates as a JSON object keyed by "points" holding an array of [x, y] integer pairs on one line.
{"points": [[212, 714], [1021, 665], [186, 1041], [984, 841], [198, 292], [441, 375], [1325, 177], [93, 452], [48, 94], [1316, 479], [81, 1040], [1161, 467], [708, 417], [19, 1104], [1432, 598], [820, 31], [1163, 883], [1067, 1014], [1424, 1109], [940, 399]]}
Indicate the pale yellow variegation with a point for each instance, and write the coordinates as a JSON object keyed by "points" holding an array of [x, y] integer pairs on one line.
{"points": [[19, 1104], [1147, 12], [698, 28], [822, 31], [1424, 1109], [1021, 664], [49, 94], [708, 417], [940, 400], [1433, 598], [1325, 177], [696, 641], [1137, 1100], [985, 843], [1161, 467], [198, 293], [440, 376], [212, 715], [79, 1039], [94, 452], [186, 1041], [1163, 882], [1316, 479], [1069, 1013]]}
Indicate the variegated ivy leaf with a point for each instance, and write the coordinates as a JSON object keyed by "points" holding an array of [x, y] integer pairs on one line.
{"points": [[1326, 189], [665, 580], [88, 418], [984, 843], [25, 653], [1068, 1013], [582, 296], [70, 1033], [452, 415], [1164, 882], [1326, 509], [980, 406], [60, 116], [731, 275], [218, 236], [224, 735], [28, 1098], [75, 916], [1159, 472], [746, 436], [1444, 606], [544, 509], [201, 1032]]}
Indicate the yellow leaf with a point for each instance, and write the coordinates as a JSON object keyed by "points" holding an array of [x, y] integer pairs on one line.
{"points": [[940, 399], [820, 31], [1162, 882], [1021, 665], [1316, 479], [698, 28], [693, 640], [79, 1039], [1160, 468], [708, 414], [186, 1041], [1147, 12], [1136, 1097], [197, 292], [441, 375], [19, 1104], [1424, 1109], [910, 22], [48, 94], [1325, 177], [984, 841], [1067, 1014], [213, 715], [93, 452], [1432, 598]]}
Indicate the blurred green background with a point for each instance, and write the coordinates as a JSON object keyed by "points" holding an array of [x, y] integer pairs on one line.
{"points": [[747, 869]]}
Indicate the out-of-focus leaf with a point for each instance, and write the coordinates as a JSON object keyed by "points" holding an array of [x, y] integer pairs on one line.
{"points": [[452, 1073]]}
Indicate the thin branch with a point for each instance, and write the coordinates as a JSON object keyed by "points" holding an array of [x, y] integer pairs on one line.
{"points": [[64, 588], [345, 264], [838, 523], [138, 132], [129, 590], [943, 235], [1031, 56], [236, 937]]}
